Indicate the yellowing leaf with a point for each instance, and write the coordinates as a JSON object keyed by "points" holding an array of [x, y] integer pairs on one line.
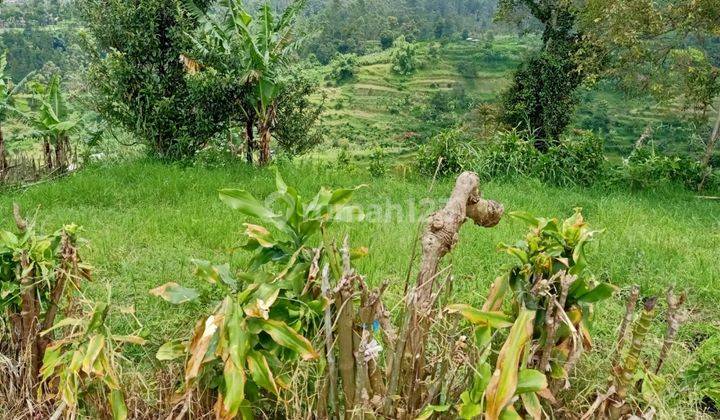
{"points": [[95, 346], [234, 387], [260, 371], [282, 334], [504, 381], [170, 351], [117, 405], [478, 317], [199, 345], [174, 293]]}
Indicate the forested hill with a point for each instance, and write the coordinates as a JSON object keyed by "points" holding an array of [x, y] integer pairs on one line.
{"points": [[359, 26]]}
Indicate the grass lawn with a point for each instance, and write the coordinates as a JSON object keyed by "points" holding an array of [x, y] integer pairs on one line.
{"points": [[145, 220]]}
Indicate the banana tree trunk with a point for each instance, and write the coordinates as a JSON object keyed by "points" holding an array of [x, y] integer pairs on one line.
{"points": [[60, 158], [249, 139], [3, 156], [47, 153], [266, 135]]}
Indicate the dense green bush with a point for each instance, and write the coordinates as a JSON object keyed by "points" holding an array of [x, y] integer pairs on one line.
{"points": [[646, 168], [404, 58], [343, 67], [541, 99], [297, 129], [378, 166], [455, 148], [467, 69], [577, 159], [139, 82]]}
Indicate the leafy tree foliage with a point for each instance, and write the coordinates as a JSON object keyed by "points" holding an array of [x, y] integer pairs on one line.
{"points": [[343, 67], [31, 48], [296, 129], [252, 51], [667, 48], [357, 26], [404, 57], [140, 82], [541, 98], [7, 99]]}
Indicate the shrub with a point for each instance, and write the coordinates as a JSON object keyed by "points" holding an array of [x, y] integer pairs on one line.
{"points": [[578, 159], [298, 130], [453, 147], [386, 40], [343, 67], [645, 168], [241, 354], [404, 58], [467, 69], [377, 162]]}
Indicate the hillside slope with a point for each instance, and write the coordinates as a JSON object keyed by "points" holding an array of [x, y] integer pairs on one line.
{"points": [[381, 107]]}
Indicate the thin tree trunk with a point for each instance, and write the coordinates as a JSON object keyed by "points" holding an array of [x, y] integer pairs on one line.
{"points": [[48, 154], [3, 156], [711, 143], [266, 135], [709, 151], [249, 139]]}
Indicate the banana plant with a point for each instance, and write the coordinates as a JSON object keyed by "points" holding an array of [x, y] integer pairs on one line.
{"points": [[255, 49], [269, 309], [8, 94], [54, 122], [86, 361]]}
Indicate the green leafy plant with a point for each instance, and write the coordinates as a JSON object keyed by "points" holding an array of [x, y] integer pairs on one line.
{"points": [[448, 153], [404, 57], [261, 325], [377, 167], [84, 364], [551, 305], [37, 272], [54, 123], [343, 67], [254, 50]]}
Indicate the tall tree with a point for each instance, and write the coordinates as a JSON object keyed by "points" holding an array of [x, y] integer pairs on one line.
{"points": [[140, 82], [541, 98], [255, 51]]}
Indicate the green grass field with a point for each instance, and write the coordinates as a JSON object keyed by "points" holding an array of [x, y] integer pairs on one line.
{"points": [[145, 220]]}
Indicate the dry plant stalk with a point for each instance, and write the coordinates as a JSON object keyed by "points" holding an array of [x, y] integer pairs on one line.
{"points": [[627, 320], [441, 234], [674, 302]]}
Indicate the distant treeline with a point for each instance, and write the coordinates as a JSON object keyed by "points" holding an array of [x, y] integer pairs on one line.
{"points": [[362, 26]]}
